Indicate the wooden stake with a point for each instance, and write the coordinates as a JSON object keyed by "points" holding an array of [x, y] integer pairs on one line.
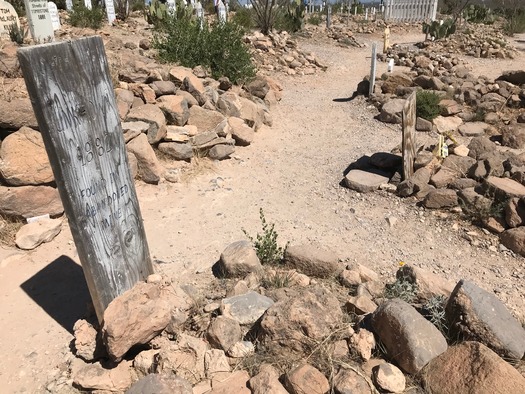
{"points": [[72, 96], [409, 136]]}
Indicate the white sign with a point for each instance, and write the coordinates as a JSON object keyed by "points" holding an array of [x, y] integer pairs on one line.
{"points": [[8, 17], [53, 13], [69, 5], [39, 21], [110, 11]]}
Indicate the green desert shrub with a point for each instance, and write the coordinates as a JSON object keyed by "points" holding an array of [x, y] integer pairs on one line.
{"points": [[81, 16], [244, 17], [218, 47], [427, 104]]}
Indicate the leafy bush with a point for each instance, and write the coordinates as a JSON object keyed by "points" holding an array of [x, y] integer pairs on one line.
{"points": [[19, 7], [81, 16], [427, 104], [315, 19], [434, 311], [292, 19], [476, 13], [244, 17], [266, 247], [515, 22], [218, 47]]}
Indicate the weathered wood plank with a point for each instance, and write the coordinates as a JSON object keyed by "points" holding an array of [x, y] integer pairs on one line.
{"points": [[373, 63], [409, 136], [74, 103]]}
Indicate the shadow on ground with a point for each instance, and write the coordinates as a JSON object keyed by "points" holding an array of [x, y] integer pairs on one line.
{"points": [[61, 290]]}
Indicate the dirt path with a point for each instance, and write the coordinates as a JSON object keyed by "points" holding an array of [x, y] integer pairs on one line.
{"points": [[292, 171]]}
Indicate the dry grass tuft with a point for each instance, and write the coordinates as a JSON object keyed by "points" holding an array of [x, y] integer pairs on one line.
{"points": [[199, 166], [8, 229]]}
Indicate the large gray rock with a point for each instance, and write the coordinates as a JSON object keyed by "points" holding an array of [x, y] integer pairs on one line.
{"points": [[364, 181], [195, 87], [221, 151], [29, 201], [238, 260], [306, 379], [241, 132], [474, 129], [175, 109], [476, 314], [514, 239], [152, 115], [267, 381], [204, 119], [410, 339], [296, 323], [161, 384], [23, 159], [313, 260], [245, 308], [92, 377], [223, 333], [177, 151], [229, 104], [440, 198], [503, 188], [516, 77], [479, 146], [417, 182], [149, 168], [513, 136], [471, 367], [36, 233], [391, 111], [16, 114], [348, 381], [394, 80], [135, 317]]}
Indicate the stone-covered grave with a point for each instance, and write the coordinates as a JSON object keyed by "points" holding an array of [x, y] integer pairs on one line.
{"points": [[483, 123], [310, 324]]}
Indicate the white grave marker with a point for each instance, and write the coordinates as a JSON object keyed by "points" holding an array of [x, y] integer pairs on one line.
{"points": [[373, 69], [110, 11], [53, 13], [222, 12], [39, 20], [172, 7], [88, 5], [69, 5], [8, 17]]}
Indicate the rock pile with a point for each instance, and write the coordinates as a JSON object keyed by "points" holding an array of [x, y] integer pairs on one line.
{"points": [[278, 52], [262, 333], [483, 118]]}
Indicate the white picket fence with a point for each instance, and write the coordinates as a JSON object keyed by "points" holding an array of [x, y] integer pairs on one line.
{"points": [[410, 10]]}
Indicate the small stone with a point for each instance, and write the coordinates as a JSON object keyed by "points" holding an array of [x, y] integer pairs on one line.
{"points": [[389, 378], [306, 379], [246, 308], [239, 259]]}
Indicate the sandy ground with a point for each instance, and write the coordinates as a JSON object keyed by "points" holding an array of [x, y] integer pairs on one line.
{"points": [[292, 171]]}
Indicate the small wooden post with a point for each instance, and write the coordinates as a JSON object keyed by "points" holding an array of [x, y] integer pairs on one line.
{"points": [[409, 136], [328, 16], [72, 96], [373, 69], [386, 40]]}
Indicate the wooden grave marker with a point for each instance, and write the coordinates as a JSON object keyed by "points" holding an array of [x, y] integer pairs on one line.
{"points": [[8, 17], [373, 69], [110, 11], [409, 136], [39, 21], [74, 103]]}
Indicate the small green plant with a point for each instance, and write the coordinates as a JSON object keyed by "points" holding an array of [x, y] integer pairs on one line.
{"points": [[439, 29], [434, 311], [81, 16], [17, 34], [403, 289], [266, 247], [277, 280], [427, 104]]}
